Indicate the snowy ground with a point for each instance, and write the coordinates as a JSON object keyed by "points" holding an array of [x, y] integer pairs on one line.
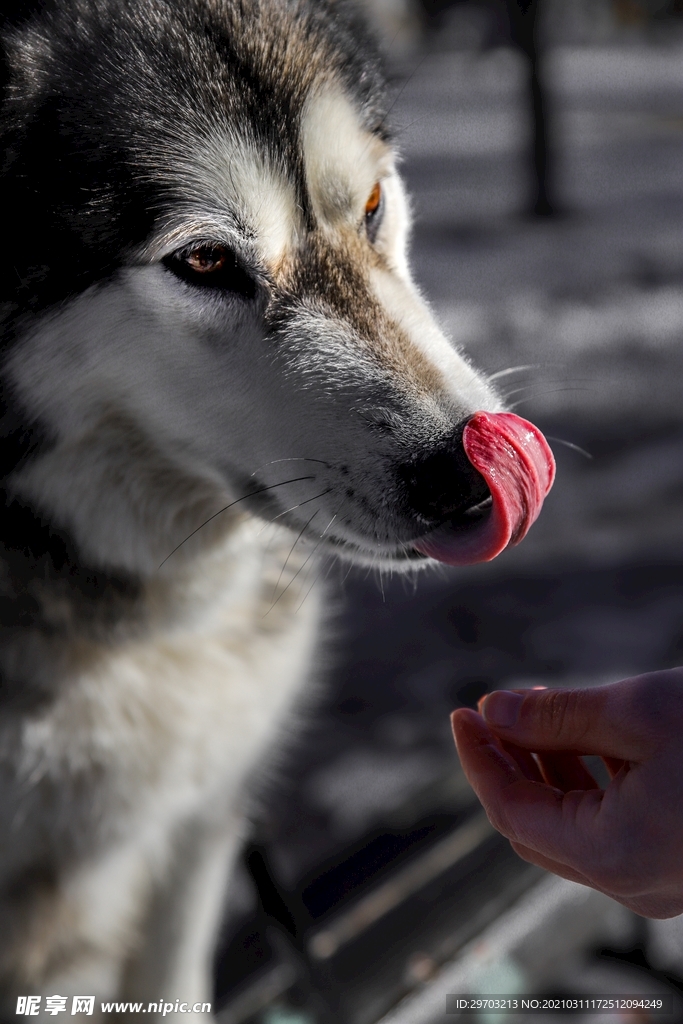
{"points": [[590, 307]]}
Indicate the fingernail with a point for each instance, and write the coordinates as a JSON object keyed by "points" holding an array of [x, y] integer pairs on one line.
{"points": [[502, 708]]}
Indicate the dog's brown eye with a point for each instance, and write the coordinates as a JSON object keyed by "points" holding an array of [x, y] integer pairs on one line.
{"points": [[214, 266], [373, 212], [374, 199], [206, 259]]}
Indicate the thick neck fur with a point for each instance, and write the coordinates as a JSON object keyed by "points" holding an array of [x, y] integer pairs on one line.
{"points": [[60, 615]]}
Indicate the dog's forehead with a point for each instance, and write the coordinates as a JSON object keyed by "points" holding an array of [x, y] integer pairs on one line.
{"points": [[231, 182], [233, 179], [342, 159]]}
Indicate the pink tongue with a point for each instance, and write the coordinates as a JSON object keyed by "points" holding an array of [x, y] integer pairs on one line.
{"points": [[514, 458]]}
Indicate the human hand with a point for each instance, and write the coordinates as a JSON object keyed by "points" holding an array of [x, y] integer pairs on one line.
{"points": [[522, 758]]}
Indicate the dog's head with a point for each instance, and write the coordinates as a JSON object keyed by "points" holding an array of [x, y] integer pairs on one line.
{"points": [[209, 301]]}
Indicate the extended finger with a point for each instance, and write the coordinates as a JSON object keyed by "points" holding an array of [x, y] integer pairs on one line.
{"points": [[604, 720], [484, 759], [524, 758], [560, 827]]}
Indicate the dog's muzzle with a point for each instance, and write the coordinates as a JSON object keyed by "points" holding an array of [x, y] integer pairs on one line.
{"points": [[482, 491]]}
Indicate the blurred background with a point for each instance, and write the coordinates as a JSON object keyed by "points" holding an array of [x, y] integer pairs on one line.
{"points": [[542, 143]]}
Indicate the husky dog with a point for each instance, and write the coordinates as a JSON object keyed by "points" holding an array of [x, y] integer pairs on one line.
{"points": [[214, 364]]}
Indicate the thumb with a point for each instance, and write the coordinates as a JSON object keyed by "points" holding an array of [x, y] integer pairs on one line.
{"points": [[603, 720]]}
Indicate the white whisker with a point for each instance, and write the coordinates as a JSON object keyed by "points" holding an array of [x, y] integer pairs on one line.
{"points": [[570, 444], [514, 369], [307, 560], [259, 490]]}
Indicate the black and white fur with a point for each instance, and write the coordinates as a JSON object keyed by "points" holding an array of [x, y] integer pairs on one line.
{"points": [[303, 385]]}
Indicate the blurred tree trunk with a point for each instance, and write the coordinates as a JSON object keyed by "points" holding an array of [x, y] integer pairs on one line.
{"points": [[524, 29]]}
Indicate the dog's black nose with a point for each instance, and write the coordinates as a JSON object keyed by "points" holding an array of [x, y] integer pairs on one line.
{"points": [[442, 483]]}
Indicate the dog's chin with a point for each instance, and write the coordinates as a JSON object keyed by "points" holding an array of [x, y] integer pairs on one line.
{"points": [[408, 555], [402, 557]]}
